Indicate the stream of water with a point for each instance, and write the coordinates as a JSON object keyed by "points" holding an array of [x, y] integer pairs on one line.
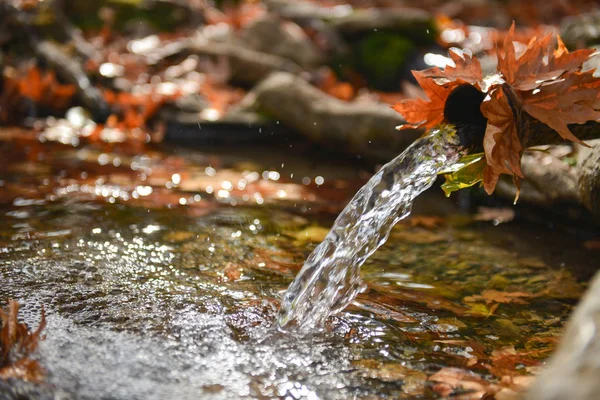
{"points": [[161, 275], [329, 279]]}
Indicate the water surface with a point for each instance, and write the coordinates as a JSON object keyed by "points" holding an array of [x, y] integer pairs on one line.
{"points": [[162, 275]]}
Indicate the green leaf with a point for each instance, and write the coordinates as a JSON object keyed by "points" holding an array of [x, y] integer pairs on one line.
{"points": [[469, 171]]}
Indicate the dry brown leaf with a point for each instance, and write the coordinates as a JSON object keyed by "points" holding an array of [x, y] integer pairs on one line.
{"points": [[17, 344], [438, 84], [544, 59], [501, 142], [572, 100], [545, 81]]}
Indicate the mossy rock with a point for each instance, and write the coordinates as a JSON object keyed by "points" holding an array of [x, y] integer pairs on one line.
{"points": [[161, 15], [380, 58]]}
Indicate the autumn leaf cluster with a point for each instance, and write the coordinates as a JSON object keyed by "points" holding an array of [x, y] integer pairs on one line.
{"points": [[541, 78]]}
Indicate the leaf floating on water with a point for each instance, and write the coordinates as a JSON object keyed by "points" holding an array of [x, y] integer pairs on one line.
{"points": [[381, 310], [17, 344]]}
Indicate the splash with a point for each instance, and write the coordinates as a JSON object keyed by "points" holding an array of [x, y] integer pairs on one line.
{"points": [[329, 279]]}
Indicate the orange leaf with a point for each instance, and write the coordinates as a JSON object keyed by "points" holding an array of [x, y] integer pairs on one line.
{"points": [[501, 141], [490, 179], [467, 69], [421, 113], [438, 84], [544, 59], [572, 100]]}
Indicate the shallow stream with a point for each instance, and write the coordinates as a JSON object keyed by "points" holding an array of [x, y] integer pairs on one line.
{"points": [[161, 276]]}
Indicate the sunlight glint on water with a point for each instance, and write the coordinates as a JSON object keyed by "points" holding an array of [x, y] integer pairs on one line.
{"points": [[329, 279]]}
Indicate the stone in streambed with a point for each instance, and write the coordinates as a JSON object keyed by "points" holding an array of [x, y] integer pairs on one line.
{"points": [[589, 180], [363, 128], [269, 34]]}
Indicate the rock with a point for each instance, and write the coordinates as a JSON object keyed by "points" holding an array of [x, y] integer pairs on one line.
{"points": [[188, 120], [350, 21], [246, 66], [271, 35], [163, 15], [315, 18], [413, 22], [184, 108], [581, 30], [362, 128], [589, 180], [548, 181], [303, 10], [572, 373], [382, 58]]}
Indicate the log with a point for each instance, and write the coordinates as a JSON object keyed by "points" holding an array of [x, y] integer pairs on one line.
{"points": [[70, 70]]}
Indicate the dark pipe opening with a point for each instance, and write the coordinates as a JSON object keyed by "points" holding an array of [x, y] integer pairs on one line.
{"points": [[462, 109]]}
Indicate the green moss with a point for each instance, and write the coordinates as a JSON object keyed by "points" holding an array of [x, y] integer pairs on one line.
{"points": [[380, 57], [160, 15]]}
